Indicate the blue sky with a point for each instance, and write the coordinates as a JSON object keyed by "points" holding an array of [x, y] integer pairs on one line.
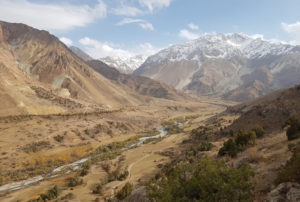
{"points": [[127, 27]]}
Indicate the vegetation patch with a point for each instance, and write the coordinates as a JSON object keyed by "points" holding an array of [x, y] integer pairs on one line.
{"points": [[36, 146], [206, 180], [293, 130], [125, 191], [291, 171], [51, 194], [238, 143]]}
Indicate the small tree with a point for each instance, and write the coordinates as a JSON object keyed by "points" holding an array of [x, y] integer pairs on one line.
{"points": [[259, 131], [293, 131], [125, 191]]}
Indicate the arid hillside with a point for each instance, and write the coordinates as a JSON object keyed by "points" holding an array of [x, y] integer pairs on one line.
{"points": [[270, 111], [139, 84], [40, 75]]}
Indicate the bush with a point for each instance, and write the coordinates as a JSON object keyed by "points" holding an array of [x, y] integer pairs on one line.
{"points": [[237, 144], [36, 146], [291, 171], [259, 131], [51, 194], [68, 196], [97, 189], [74, 181], [125, 191], [58, 138], [229, 148], [293, 131], [208, 180], [205, 146]]}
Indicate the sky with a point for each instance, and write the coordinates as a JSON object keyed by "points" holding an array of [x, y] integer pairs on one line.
{"points": [[124, 28]]}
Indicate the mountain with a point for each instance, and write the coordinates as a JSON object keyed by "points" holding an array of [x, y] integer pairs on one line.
{"points": [[236, 66], [40, 75], [125, 65], [80, 53], [139, 84]]}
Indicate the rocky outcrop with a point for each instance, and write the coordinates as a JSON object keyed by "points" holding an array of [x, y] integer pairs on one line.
{"points": [[285, 192]]}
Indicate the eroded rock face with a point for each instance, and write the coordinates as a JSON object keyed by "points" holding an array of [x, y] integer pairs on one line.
{"points": [[285, 192]]}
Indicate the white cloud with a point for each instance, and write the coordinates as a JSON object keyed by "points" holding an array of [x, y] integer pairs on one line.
{"points": [[66, 41], [186, 34], [143, 24], [98, 49], [127, 11], [293, 30], [49, 16], [193, 26], [146, 49], [153, 4]]}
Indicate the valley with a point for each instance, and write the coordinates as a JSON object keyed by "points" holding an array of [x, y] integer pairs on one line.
{"points": [[34, 148]]}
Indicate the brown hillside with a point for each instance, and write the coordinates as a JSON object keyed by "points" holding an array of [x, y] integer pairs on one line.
{"points": [[30, 57], [139, 84], [270, 111]]}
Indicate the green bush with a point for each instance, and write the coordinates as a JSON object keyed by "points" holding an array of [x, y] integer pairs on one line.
{"points": [[229, 148], [259, 131], [238, 143], [205, 146], [293, 131], [125, 191], [291, 171], [208, 180], [58, 138]]}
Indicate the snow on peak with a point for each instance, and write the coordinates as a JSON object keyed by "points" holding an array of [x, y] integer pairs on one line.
{"points": [[125, 65], [221, 46]]}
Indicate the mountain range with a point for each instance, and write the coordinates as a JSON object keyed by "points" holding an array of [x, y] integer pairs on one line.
{"points": [[125, 65], [235, 66]]}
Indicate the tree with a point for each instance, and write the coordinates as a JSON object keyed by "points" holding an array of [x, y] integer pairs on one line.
{"points": [[293, 131]]}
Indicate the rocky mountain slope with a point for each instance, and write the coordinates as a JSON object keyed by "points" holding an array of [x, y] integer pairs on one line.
{"points": [[237, 66], [125, 65], [139, 84], [80, 53], [39, 74]]}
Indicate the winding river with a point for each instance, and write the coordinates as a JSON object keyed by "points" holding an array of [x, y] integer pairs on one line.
{"points": [[68, 168]]}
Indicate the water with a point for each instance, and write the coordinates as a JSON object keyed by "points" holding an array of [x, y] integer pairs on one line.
{"points": [[66, 169]]}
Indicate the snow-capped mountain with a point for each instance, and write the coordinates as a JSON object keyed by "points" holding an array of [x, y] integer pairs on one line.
{"points": [[240, 66], [125, 65]]}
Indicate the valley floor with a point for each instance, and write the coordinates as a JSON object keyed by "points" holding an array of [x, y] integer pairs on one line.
{"points": [[35, 145]]}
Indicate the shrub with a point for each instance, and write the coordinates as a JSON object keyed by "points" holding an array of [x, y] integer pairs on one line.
{"points": [[68, 196], [36, 146], [207, 180], [293, 131], [290, 172], [97, 189], [259, 131], [205, 146], [51, 194], [74, 181], [58, 138], [229, 148], [237, 144], [125, 191]]}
